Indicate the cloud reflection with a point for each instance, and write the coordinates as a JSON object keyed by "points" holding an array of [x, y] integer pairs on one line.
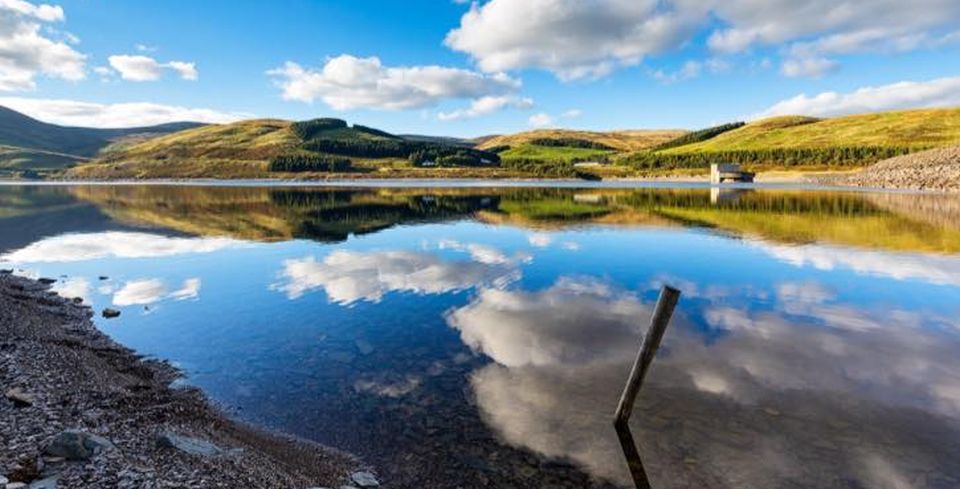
{"points": [[113, 244], [350, 276], [934, 269], [814, 387]]}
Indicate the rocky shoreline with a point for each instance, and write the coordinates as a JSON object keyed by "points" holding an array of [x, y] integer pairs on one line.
{"points": [[933, 170], [79, 410]]}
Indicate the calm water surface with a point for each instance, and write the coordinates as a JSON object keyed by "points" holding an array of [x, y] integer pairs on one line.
{"points": [[480, 337]]}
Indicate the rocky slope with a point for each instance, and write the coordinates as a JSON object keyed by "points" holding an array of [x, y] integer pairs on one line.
{"points": [[78, 410], [935, 169]]}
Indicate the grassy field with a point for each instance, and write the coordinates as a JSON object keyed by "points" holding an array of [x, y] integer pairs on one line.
{"points": [[619, 140], [554, 153]]}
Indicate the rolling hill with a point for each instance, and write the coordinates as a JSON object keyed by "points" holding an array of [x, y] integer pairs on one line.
{"points": [[634, 140], [27, 144], [275, 148], [794, 142], [925, 128], [321, 148]]}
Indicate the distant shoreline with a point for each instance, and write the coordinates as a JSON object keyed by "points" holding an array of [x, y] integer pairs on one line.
{"points": [[820, 181]]}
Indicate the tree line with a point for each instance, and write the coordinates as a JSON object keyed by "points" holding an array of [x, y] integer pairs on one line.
{"points": [[570, 143], [831, 156], [304, 162], [698, 136]]}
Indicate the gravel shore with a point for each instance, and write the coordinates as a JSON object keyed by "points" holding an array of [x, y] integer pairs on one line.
{"points": [[79, 410], [935, 169]]}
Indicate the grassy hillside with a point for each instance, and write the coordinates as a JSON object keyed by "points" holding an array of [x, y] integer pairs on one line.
{"points": [[911, 128], [794, 142], [269, 148], [619, 140], [30, 146], [330, 148]]}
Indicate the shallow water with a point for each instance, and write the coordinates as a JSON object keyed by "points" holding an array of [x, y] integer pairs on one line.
{"points": [[480, 337]]}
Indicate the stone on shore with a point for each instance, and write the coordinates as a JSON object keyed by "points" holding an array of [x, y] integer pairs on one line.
{"points": [[364, 479], [19, 397], [192, 446], [47, 483], [77, 445]]}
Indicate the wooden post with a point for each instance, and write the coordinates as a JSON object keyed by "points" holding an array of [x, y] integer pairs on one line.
{"points": [[651, 342]]}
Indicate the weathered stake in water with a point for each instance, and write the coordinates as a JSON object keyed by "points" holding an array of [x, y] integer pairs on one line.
{"points": [[651, 342]]}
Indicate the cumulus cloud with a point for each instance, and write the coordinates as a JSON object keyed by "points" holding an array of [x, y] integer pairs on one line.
{"points": [[142, 68], [347, 82], [348, 276], [808, 67], [113, 244], [906, 94], [575, 39], [541, 119], [486, 105], [689, 70], [28, 49], [131, 114]]}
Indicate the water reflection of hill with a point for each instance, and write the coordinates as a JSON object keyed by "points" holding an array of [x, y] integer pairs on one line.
{"points": [[892, 222]]}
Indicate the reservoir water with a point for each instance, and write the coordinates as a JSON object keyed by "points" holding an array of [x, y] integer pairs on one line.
{"points": [[480, 336]]}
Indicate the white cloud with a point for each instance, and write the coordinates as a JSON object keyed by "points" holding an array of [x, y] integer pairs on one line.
{"points": [[139, 292], [690, 69], [486, 105], [132, 114], [348, 82], [807, 67], [348, 276], [26, 49], [906, 94], [113, 244], [144, 68], [187, 71], [541, 119], [571, 38], [572, 114], [576, 39]]}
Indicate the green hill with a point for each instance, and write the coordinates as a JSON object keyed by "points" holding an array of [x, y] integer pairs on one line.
{"points": [[924, 128], [266, 148], [793, 142], [29, 145]]}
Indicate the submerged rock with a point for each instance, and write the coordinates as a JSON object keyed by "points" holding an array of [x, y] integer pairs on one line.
{"points": [[48, 483], [77, 445], [46, 281], [110, 313], [193, 446], [364, 479]]}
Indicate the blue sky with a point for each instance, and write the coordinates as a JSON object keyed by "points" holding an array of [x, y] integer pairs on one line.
{"points": [[452, 68]]}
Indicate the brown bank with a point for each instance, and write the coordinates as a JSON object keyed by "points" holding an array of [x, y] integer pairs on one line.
{"points": [[79, 410]]}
